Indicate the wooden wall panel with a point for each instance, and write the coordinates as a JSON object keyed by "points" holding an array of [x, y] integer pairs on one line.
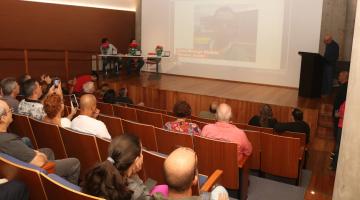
{"points": [[35, 25]]}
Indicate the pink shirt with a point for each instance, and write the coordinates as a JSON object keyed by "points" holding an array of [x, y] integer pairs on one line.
{"points": [[230, 133], [341, 115]]}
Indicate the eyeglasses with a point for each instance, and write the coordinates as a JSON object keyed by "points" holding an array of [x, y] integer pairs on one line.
{"points": [[10, 110]]}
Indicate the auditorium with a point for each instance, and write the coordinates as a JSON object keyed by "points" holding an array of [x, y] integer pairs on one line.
{"points": [[179, 99]]}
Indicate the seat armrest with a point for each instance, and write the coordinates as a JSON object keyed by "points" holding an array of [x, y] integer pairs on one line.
{"points": [[211, 181], [49, 167], [242, 161]]}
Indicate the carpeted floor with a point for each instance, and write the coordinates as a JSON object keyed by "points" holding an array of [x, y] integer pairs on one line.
{"points": [[266, 189]]}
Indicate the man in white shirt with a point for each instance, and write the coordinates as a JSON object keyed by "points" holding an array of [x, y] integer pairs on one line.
{"points": [[86, 122], [107, 48]]}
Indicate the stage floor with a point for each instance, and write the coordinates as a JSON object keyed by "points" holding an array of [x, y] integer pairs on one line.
{"points": [[275, 95]]}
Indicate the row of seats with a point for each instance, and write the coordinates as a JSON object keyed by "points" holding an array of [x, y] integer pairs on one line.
{"points": [[91, 150]]}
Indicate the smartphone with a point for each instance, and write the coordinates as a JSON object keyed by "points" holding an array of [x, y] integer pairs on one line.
{"points": [[74, 101], [56, 82]]}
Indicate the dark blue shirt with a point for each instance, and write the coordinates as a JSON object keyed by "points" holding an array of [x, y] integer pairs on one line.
{"points": [[331, 52]]}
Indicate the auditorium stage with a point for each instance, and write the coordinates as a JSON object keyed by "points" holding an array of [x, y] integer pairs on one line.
{"points": [[274, 95]]}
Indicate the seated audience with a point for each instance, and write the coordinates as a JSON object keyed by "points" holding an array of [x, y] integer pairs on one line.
{"points": [[110, 97], [12, 145], [182, 111], [14, 190], [265, 119], [298, 125], [180, 170], [89, 88], [86, 122], [10, 89], [54, 108], [117, 178], [103, 88], [223, 130], [210, 114], [22, 80], [123, 97], [79, 81], [31, 105]]}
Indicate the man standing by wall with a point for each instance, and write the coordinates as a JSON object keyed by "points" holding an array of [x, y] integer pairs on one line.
{"points": [[331, 56]]}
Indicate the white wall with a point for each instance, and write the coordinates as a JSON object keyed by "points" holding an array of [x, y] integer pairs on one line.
{"points": [[108, 4], [301, 32]]}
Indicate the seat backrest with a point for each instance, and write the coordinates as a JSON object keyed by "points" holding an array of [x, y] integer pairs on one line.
{"points": [[56, 187], [125, 113], [145, 132], [81, 146], [201, 124], [280, 155], [154, 110], [208, 121], [213, 155], [150, 118], [242, 126], [168, 118], [113, 124], [31, 177], [301, 136], [103, 147], [260, 129], [167, 141], [48, 136], [153, 166], [105, 108], [254, 159], [21, 126]]}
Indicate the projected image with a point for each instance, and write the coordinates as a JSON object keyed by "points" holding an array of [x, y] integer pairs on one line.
{"points": [[224, 33]]}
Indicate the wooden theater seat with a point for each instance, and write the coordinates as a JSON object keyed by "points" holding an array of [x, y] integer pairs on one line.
{"points": [[205, 120], [113, 124], [105, 108], [281, 156], [215, 154], [81, 146], [103, 147], [48, 136], [168, 141], [125, 113], [150, 118], [255, 158], [22, 127], [55, 187], [31, 177], [145, 132]]}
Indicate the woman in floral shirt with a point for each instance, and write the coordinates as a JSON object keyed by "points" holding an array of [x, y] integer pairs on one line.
{"points": [[182, 111]]}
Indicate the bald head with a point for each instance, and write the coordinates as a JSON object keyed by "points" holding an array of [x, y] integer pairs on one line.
{"points": [[87, 102], [5, 116], [223, 113], [180, 169], [328, 39]]}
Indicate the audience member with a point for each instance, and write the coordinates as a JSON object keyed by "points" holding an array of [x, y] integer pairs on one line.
{"points": [[110, 96], [298, 125], [79, 81], [223, 130], [22, 80], [210, 114], [340, 115], [14, 190], [180, 170], [139, 62], [265, 119], [31, 105], [12, 145], [331, 56], [103, 88], [182, 111], [107, 48], [86, 122], [340, 98], [10, 89], [89, 88], [54, 108], [123, 97], [116, 178]]}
